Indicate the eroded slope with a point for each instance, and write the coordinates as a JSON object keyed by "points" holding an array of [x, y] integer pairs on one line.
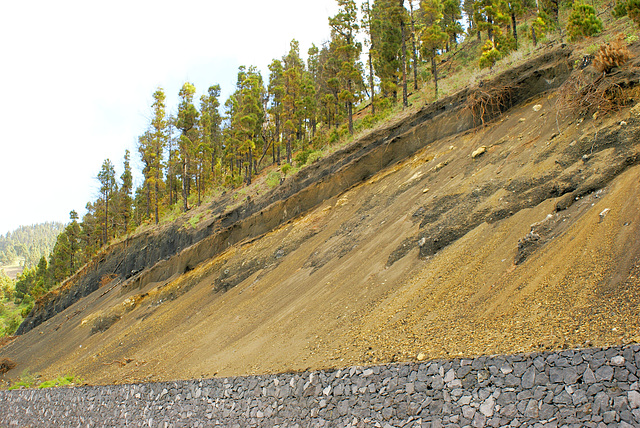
{"points": [[531, 245]]}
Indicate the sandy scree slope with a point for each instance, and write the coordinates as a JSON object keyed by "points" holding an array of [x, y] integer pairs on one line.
{"points": [[417, 261]]}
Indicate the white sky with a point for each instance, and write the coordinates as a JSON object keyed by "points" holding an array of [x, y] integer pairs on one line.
{"points": [[77, 78]]}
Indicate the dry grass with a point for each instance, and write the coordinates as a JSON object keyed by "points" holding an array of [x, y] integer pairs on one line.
{"points": [[588, 94], [612, 55]]}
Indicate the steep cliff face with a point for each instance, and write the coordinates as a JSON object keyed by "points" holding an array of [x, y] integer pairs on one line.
{"points": [[488, 222]]}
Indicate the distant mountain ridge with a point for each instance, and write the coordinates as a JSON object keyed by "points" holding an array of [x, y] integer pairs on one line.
{"points": [[29, 243]]}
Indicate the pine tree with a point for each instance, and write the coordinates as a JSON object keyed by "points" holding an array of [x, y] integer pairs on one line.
{"points": [[172, 166], [125, 194], [468, 9], [413, 46], [211, 127], [276, 91], [291, 112], [403, 59], [489, 15], [107, 179], [145, 148], [450, 24], [515, 8], [344, 30], [549, 11], [583, 22], [186, 123], [312, 80], [158, 143], [59, 262], [387, 35], [367, 26], [73, 233], [433, 37]]}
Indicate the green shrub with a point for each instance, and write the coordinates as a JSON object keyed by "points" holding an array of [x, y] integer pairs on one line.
{"points": [[334, 136], [285, 169], [633, 10], [490, 55], [26, 380], [314, 156], [26, 309], [194, 220], [620, 9], [13, 324], [273, 179], [583, 22], [302, 156], [60, 381]]}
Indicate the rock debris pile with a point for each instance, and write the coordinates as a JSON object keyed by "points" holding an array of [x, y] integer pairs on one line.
{"points": [[574, 388]]}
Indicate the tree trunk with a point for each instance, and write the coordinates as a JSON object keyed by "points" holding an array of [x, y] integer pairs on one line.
{"points": [[405, 98], [249, 167], [415, 52], [169, 172], [371, 84], [185, 206], [490, 29], [434, 70], [533, 36], [148, 198], [106, 218], [157, 191], [515, 31], [350, 109], [199, 183], [157, 180], [277, 140]]}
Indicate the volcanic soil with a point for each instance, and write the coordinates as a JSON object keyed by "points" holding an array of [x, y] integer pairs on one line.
{"points": [[532, 245]]}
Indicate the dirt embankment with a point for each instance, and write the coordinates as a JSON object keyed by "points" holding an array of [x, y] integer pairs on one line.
{"points": [[418, 247], [159, 255]]}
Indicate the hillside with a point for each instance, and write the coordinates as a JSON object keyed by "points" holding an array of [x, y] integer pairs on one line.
{"points": [[26, 245], [411, 243]]}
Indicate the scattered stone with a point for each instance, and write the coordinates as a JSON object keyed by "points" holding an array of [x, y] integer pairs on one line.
{"points": [[479, 151], [421, 356], [604, 213], [537, 107]]}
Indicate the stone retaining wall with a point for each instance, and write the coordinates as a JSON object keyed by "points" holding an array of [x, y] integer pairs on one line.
{"points": [[575, 388]]}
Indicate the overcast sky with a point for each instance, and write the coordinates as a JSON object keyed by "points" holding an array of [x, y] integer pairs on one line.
{"points": [[77, 78]]}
